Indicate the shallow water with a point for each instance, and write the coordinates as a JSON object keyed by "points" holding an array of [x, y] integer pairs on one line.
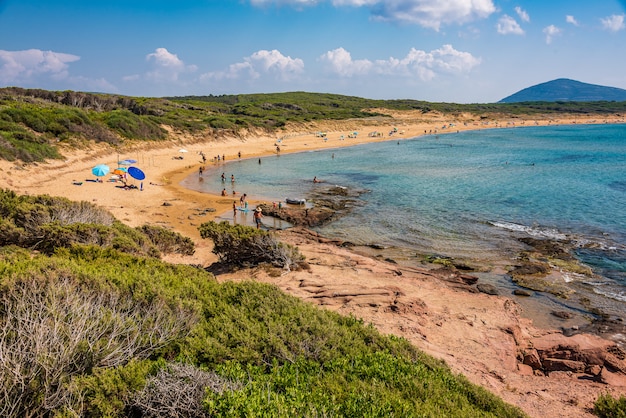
{"points": [[469, 195]]}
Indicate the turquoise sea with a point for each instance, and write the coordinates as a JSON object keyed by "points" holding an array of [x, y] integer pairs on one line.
{"points": [[469, 195]]}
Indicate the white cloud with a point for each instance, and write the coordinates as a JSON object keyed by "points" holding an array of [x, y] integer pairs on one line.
{"points": [[433, 13], [275, 62], [522, 14], [425, 65], [613, 23], [428, 13], [550, 32], [25, 66], [167, 66], [355, 3], [571, 20], [507, 25], [285, 2], [341, 63], [260, 63]]}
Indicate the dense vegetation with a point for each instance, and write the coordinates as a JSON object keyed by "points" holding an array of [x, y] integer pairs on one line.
{"points": [[95, 329], [46, 223], [34, 123]]}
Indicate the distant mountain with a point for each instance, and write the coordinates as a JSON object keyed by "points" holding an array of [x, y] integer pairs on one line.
{"points": [[565, 90]]}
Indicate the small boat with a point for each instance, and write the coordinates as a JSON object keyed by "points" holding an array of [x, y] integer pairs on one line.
{"points": [[293, 201]]}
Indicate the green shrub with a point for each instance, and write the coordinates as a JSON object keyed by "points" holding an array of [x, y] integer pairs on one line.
{"points": [[168, 241], [47, 223], [366, 385], [108, 391], [132, 126], [607, 406], [243, 245]]}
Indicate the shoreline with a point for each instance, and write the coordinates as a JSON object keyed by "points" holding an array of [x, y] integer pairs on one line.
{"points": [[476, 334]]}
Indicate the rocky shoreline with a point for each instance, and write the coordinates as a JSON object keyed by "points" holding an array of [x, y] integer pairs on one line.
{"points": [[485, 337], [531, 272]]}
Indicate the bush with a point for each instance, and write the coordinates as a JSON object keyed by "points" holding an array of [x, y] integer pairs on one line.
{"points": [[132, 126], [245, 246], [168, 241], [55, 328], [47, 223], [608, 407], [177, 391]]}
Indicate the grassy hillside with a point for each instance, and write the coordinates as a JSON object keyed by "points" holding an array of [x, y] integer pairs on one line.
{"points": [[34, 123], [103, 329]]}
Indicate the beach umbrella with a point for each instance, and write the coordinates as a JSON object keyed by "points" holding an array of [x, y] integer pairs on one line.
{"points": [[182, 150], [136, 173], [127, 162], [100, 170], [120, 171]]}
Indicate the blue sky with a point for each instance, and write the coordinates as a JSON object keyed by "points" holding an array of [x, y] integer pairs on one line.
{"points": [[463, 51]]}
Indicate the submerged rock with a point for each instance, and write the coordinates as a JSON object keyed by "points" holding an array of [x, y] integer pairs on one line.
{"points": [[487, 288], [329, 203]]}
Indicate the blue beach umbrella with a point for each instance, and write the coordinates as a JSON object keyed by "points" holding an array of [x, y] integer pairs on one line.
{"points": [[136, 173], [127, 162], [100, 170]]}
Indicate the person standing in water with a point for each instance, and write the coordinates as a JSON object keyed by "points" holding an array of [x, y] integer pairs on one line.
{"points": [[258, 215]]}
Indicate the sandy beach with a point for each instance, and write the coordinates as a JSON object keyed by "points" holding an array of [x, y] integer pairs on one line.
{"points": [[476, 334]]}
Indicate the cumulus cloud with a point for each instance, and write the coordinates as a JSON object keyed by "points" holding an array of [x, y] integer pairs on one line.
{"points": [[613, 23], [24, 66], [550, 32], [261, 63], [522, 14], [425, 65], [433, 13], [341, 63], [167, 66], [36, 67], [428, 13], [571, 20], [507, 25]]}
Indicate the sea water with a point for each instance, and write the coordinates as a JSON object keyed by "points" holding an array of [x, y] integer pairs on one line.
{"points": [[468, 195]]}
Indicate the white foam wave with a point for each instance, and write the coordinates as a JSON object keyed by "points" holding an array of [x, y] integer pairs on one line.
{"points": [[616, 295], [550, 233]]}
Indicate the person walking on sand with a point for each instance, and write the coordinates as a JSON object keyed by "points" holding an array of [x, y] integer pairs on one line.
{"points": [[234, 208], [258, 215]]}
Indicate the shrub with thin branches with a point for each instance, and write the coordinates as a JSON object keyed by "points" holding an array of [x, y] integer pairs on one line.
{"points": [[177, 391], [54, 329]]}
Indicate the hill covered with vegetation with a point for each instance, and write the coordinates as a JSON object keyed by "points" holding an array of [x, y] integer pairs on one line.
{"points": [[36, 124], [566, 90], [102, 328]]}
